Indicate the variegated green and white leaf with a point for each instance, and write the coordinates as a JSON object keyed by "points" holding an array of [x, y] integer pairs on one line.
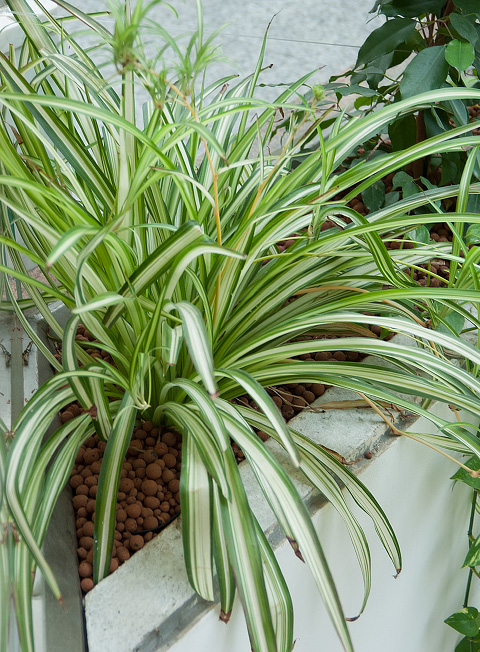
{"points": [[108, 482], [268, 407], [196, 504], [280, 491], [196, 339]]}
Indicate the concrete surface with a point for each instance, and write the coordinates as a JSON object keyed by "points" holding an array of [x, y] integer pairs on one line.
{"points": [[304, 35]]}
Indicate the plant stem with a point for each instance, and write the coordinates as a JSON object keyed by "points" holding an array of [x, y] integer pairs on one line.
{"points": [[469, 534], [418, 166], [396, 431]]}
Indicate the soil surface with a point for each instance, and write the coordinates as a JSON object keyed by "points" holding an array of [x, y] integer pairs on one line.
{"points": [[148, 497]]}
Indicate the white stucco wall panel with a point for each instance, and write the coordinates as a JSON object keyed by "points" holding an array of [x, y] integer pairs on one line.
{"points": [[406, 614]]}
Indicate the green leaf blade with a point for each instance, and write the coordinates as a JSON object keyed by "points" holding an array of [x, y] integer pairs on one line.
{"points": [[460, 54], [427, 71], [108, 482], [385, 39], [466, 621]]}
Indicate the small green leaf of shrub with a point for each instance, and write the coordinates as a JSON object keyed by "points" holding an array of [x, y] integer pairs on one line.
{"points": [[473, 203], [355, 88], [463, 476], [363, 101], [464, 27], [409, 8], [469, 644], [406, 183], [455, 321], [385, 39], [466, 621], [420, 234], [403, 133], [460, 54], [374, 196], [473, 235], [428, 70], [436, 121], [391, 198], [452, 165], [471, 560], [468, 7], [459, 110]]}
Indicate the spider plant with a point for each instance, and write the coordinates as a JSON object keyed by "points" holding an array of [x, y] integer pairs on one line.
{"points": [[161, 240]]}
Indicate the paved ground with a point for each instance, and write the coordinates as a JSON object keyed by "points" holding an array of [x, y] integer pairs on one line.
{"points": [[304, 34]]}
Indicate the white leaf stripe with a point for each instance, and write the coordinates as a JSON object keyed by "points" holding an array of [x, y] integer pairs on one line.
{"points": [[275, 503], [370, 506], [56, 130], [343, 375], [108, 482], [362, 496], [196, 339], [324, 482], [207, 444], [391, 323], [396, 353], [462, 439], [189, 254], [103, 419], [67, 241], [331, 310], [207, 407], [155, 265], [281, 606], [244, 555], [37, 33], [196, 504], [70, 362], [360, 130], [30, 429], [101, 301], [226, 579], [29, 281], [58, 473], [172, 340]]}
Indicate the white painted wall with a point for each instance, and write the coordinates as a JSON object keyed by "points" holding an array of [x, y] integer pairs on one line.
{"points": [[402, 615]]}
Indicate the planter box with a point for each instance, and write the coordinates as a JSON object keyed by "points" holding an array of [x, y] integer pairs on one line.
{"points": [[148, 605]]}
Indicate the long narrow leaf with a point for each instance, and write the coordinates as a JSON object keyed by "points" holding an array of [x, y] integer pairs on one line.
{"points": [[108, 482]]}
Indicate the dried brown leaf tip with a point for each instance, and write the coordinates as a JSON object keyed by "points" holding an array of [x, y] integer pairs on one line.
{"points": [[296, 549], [225, 617]]}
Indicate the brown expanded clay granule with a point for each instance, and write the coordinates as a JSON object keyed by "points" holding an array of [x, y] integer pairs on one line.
{"points": [[148, 494]]}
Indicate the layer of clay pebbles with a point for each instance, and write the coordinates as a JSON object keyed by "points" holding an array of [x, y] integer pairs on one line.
{"points": [[147, 500], [433, 274], [84, 336], [474, 114]]}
